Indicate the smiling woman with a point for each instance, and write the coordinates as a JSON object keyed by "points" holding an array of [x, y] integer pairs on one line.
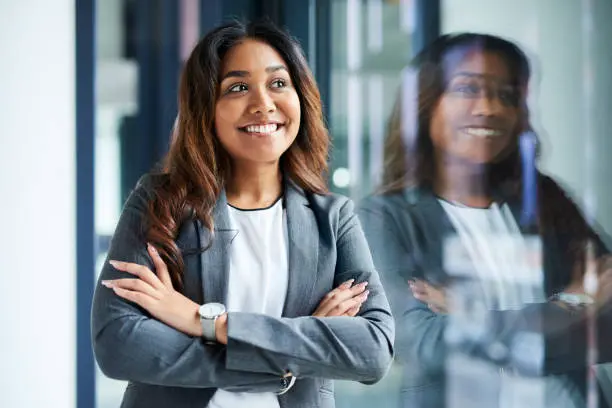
{"points": [[234, 278], [257, 116]]}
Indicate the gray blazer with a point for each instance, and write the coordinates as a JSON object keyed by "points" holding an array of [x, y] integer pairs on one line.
{"points": [[166, 368], [406, 232]]}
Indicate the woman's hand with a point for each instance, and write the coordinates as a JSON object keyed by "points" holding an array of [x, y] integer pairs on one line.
{"points": [[345, 300], [156, 294], [435, 298]]}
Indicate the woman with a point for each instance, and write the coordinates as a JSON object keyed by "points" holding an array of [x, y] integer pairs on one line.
{"points": [[219, 289], [457, 232]]}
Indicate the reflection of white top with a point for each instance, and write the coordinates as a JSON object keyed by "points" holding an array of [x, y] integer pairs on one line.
{"points": [[497, 254], [258, 277], [490, 248]]}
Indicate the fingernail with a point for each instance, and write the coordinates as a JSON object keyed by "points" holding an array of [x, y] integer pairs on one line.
{"points": [[115, 264], [152, 248], [348, 283], [363, 284], [108, 284]]}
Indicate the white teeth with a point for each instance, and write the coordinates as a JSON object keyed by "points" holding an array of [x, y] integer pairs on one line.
{"points": [[482, 132], [271, 128]]}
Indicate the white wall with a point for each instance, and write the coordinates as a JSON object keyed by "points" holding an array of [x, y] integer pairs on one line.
{"points": [[37, 209], [553, 33]]}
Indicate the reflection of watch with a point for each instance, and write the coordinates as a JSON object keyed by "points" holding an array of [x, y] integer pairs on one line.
{"points": [[574, 299], [209, 312]]}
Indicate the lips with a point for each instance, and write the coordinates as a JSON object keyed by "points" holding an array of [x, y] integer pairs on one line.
{"points": [[262, 129], [483, 132]]}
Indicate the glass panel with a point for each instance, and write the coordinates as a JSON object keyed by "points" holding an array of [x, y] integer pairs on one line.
{"points": [[116, 98], [371, 45]]}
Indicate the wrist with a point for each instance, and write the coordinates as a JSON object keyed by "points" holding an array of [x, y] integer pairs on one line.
{"points": [[221, 328], [195, 324]]}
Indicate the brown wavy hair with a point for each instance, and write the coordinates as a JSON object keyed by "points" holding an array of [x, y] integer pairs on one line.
{"points": [[197, 167], [409, 159]]}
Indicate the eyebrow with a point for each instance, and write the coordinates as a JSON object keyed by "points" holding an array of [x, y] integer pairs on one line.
{"points": [[484, 76], [244, 74]]}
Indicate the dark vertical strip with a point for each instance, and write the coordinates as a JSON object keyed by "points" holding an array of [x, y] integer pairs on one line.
{"points": [[296, 18], [428, 23], [211, 12], [145, 138], [323, 42], [270, 9], [85, 233], [169, 63]]}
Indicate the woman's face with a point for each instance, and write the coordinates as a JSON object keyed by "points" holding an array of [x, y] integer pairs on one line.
{"points": [[257, 115], [477, 116]]}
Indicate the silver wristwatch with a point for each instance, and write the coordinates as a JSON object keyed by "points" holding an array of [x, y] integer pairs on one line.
{"points": [[574, 299], [209, 312]]}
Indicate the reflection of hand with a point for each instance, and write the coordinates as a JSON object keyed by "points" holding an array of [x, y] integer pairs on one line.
{"points": [[435, 298], [604, 286], [343, 301], [599, 290], [156, 294]]}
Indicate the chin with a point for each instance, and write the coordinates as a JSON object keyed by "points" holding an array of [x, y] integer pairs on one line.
{"points": [[262, 158]]}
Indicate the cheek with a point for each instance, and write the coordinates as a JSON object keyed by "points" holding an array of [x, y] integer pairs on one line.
{"points": [[292, 109]]}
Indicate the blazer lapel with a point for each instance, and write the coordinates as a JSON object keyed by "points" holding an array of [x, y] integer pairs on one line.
{"points": [[436, 228], [215, 260], [303, 248]]}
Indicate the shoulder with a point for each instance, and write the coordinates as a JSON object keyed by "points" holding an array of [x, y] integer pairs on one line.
{"points": [[405, 202], [149, 182], [330, 203]]}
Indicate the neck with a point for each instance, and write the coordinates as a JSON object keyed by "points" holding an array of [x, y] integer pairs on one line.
{"points": [[463, 182], [254, 186]]}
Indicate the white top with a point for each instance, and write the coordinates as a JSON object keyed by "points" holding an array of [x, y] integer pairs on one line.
{"points": [[490, 248], [258, 277]]}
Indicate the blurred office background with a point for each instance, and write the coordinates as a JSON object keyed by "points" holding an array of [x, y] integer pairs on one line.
{"points": [[88, 98]]}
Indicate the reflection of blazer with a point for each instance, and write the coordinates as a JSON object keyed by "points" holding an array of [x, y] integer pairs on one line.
{"points": [[406, 232], [166, 368]]}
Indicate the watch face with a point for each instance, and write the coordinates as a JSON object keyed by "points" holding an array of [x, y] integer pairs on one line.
{"points": [[211, 310]]}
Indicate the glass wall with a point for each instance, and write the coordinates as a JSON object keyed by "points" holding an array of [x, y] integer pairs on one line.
{"points": [[360, 53]]}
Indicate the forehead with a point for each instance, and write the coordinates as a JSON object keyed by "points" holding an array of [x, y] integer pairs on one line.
{"points": [[476, 63], [252, 56]]}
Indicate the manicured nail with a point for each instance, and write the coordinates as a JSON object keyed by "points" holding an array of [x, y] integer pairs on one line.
{"points": [[348, 283], [152, 248], [363, 284], [365, 294], [108, 284], [116, 264]]}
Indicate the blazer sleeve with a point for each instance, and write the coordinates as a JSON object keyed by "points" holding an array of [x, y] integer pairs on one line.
{"points": [[419, 335], [420, 332], [350, 348], [130, 345]]}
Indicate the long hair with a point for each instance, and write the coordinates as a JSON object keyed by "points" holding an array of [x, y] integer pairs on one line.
{"points": [[409, 159], [197, 167]]}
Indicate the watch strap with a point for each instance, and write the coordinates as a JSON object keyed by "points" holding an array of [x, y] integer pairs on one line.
{"points": [[208, 328]]}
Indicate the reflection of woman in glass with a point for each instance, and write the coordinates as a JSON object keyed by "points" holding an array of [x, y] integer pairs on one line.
{"points": [[239, 219], [461, 196]]}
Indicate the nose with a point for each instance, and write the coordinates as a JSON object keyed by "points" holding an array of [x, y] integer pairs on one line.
{"points": [[487, 104], [261, 102]]}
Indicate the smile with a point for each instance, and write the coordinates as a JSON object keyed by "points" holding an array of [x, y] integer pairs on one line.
{"points": [[483, 133], [263, 129]]}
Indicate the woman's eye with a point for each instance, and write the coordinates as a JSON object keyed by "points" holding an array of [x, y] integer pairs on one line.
{"points": [[279, 83], [467, 89], [508, 97], [238, 88]]}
